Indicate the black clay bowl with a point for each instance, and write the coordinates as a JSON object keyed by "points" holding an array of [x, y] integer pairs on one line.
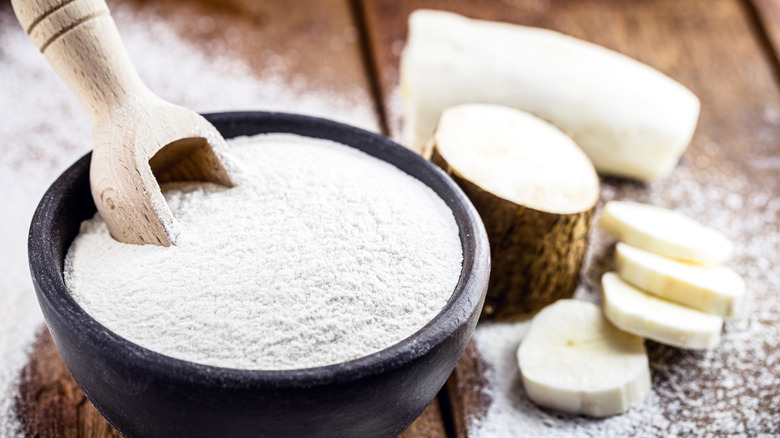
{"points": [[146, 394]]}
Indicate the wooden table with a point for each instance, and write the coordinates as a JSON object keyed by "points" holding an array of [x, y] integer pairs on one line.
{"points": [[725, 51]]}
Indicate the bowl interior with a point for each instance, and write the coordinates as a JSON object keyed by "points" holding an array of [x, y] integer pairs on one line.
{"points": [[68, 202]]}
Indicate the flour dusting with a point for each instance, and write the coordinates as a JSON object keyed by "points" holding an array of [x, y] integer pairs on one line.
{"points": [[730, 391]]}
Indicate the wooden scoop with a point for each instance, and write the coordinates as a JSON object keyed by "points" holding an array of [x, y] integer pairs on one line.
{"points": [[137, 134]]}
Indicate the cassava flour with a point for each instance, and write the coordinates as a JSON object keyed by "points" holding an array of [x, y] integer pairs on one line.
{"points": [[319, 255]]}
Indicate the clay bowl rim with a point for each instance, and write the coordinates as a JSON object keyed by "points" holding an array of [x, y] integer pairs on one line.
{"points": [[465, 299]]}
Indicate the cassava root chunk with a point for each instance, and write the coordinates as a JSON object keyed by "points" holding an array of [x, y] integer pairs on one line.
{"points": [[665, 232], [535, 191], [715, 290], [630, 119], [637, 312], [573, 360]]}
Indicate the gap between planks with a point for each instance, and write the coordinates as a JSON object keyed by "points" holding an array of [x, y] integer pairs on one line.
{"points": [[766, 17], [369, 63]]}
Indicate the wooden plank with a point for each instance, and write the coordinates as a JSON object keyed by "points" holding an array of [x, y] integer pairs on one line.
{"points": [[316, 49], [50, 403], [465, 387], [385, 23], [429, 425], [714, 48]]}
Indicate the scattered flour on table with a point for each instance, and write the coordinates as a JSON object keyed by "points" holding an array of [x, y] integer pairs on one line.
{"points": [[44, 130], [319, 255], [730, 391]]}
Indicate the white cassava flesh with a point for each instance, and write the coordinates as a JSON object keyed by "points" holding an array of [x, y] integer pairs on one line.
{"points": [[630, 119], [573, 360], [716, 290], [665, 232], [648, 316], [536, 192], [517, 156]]}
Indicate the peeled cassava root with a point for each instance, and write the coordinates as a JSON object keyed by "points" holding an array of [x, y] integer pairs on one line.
{"points": [[630, 119], [535, 191]]}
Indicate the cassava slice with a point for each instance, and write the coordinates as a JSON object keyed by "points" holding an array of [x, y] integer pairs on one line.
{"points": [[630, 119], [574, 360], [637, 312], [716, 290], [536, 192], [665, 232]]}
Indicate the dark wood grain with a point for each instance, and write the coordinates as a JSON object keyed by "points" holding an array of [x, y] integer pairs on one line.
{"points": [[429, 425], [768, 12], [465, 387], [314, 44], [717, 49], [50, 403]]}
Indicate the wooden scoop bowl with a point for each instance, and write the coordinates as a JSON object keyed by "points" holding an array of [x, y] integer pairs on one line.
{"points": [[137, 134]]}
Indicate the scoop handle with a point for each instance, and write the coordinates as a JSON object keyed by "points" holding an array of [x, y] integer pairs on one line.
{"points": [[81, 41]]}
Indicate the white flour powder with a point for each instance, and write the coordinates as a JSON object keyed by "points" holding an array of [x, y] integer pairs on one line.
{"points": [[321, 254]]}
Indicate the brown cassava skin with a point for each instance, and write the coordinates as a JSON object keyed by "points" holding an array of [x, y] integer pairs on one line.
{"points": [[536, 256]]}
